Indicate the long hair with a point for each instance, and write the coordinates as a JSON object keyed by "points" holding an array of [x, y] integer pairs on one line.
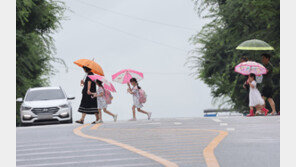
{"points": [[86, 69], [135, 80], [252, 75], [99, 83]]}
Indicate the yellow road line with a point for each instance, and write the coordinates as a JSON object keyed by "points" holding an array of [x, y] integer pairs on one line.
{"points": [[95, 126], [208, 152], [160, 160]]}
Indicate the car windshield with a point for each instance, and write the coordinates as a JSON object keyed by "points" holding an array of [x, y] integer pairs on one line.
{"points": [[46, 94]]}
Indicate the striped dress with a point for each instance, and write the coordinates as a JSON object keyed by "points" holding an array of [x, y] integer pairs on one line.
{"points": [[88, 105]]}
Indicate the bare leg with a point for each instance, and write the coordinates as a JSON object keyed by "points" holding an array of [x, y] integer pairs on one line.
{"points": [[100, 114], [264, 99], [134, 112], [258, 109], [272, 105], [83, 116], [97, 116], [108, 112], [142, 111]]}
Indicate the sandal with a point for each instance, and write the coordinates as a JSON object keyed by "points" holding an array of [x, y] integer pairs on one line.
{"points": [[79, 121]]}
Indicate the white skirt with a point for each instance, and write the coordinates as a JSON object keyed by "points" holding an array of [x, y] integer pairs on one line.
{"points": [[255, 98], [137, 103], [101, 103]]}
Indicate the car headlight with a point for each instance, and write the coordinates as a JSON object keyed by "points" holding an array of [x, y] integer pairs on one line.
{"points": [[27, 117], [64, 106], [64, 115], [25, 108]]}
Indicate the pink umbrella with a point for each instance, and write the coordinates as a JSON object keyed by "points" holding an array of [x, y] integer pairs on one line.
{"points": [[249, 67], [124, 76], [107, 85]]}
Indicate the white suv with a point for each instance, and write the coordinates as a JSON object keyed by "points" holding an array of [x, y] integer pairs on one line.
{"points": [[45, 104]]}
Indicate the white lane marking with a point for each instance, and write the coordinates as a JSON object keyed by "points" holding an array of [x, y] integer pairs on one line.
{"points": [[216, 120], [53, 144], [260, 140], [64, 157], [69, 146], [223, 124], [185, 118], [178, 123], [151, 123], [154, 123], [59, 152], [80, 162], [45, 141], [230, 129]]}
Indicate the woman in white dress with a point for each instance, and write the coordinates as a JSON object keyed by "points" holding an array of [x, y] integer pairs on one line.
{"points": [[136, 98], [255, 98], [102, 104]]}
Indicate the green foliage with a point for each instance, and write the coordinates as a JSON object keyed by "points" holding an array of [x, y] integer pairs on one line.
{"points": [[36, 20], [232, 22]]}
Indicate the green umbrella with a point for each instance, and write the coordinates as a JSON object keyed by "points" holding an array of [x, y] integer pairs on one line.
{"points": [[254, 44]]}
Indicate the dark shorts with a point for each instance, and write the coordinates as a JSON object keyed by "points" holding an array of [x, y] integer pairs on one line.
{"points": [[267, 91]]}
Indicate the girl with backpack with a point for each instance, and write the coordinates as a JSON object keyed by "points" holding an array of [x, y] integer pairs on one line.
{"points": [[139, 97], [104, 98]]}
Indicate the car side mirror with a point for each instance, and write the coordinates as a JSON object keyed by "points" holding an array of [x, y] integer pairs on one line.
{"points": [[71, 98], [19, 99]]}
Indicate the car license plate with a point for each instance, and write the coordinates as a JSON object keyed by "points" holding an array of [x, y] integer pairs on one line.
{"points": [[44, 116]]}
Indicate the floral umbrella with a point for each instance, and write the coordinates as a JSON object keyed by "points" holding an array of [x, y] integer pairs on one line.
{"points": [[246, 68], [124, 76], [107, 85]]}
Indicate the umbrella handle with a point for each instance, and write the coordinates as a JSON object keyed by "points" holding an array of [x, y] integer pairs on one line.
{"points": [[83, 80], [129, 86]]}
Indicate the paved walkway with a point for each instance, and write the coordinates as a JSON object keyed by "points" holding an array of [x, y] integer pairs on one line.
{"points": [[233, 141]]}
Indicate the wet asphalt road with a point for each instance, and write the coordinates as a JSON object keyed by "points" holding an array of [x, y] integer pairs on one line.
{"points": [[250, 142]]}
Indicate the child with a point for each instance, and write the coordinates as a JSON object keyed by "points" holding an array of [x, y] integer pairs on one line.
{"points": [[255, 99], [136, 98], [102, 104]]}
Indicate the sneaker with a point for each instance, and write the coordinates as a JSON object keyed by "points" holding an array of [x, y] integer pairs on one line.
{"points": [[115, 118], [272, 114], [133, 119], [96, 122], [100, 121], [149, 115]]}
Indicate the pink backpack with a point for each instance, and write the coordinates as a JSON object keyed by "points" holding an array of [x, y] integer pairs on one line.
{"points": [[108, 97], [143, 96]]}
